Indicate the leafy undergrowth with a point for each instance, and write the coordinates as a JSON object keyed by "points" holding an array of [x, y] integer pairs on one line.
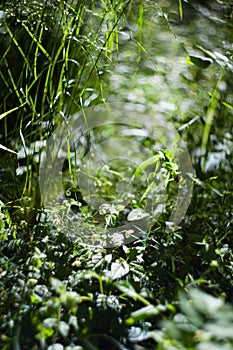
{"points": [[57, 295], [167, 289]]}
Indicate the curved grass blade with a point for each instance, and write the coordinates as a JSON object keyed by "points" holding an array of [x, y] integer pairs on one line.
{"points": [[3, 115], [7, 149]]}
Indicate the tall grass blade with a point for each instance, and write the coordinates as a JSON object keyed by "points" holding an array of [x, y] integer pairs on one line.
{"points": [[210, 114], [181, 9], [3, 115], [34, 38], [7, 149]]}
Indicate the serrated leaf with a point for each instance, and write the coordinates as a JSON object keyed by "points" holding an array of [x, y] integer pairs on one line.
{"points": [[206, 303], [221, 330], [108, 258], [119, 269], [138, 334]]}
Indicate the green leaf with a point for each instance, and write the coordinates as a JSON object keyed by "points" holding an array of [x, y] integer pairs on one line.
{"points": [[213, 346], [143, 313], [119, 269], [227, 105], [206, 303], [136, 214], [57, 285], [50, 322], [146, 163], [64, 328], [56, 346], [70, 299], [130, 292], [200, 61], [220, 330]]}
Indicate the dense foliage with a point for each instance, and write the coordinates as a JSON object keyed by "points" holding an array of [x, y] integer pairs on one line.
{"points": [[167, 289]]}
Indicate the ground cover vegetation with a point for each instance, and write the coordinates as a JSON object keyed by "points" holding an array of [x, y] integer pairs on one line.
{"points": [[168, 289]]}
